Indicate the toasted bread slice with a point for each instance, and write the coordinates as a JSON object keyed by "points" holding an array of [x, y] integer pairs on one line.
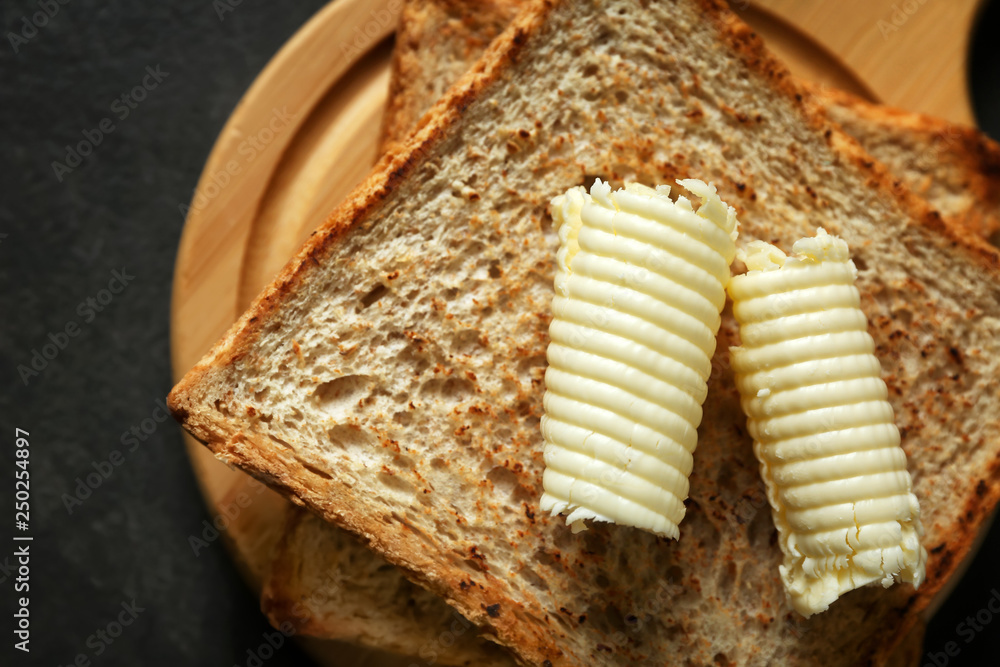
{"points": [[437, 41], [391, 376]]}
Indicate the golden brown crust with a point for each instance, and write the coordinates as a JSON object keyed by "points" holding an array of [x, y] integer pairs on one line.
{"points": [[285, 472], [965, 158]]}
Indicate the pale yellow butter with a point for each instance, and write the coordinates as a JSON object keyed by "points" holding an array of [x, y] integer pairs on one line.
{"points": [[639, 287], [823, 430]]}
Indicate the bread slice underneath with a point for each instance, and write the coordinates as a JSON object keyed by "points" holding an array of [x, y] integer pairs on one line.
{"points": [[391, 377], [329, 581], [954, 168]]}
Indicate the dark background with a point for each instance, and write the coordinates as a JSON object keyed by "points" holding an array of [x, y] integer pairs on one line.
{"points": [[60, 242]]}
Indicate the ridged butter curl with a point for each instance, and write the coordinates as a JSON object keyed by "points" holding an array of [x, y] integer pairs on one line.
{"points": [[823, 430], [639, 287]]}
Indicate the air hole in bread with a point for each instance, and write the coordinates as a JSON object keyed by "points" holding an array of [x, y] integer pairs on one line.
{"points": [[727, 577], [314, 470], [725, 479], [674, 574], [475, 564], [466, 341], [607, 617], [403, 462], [710, 542], [424, 537], [279, 441], [502, 435], [524, 408], [374, 294], [452, 388], [561, 620], [590, 70], [338, 397], [596, 544], [503, 479], [396, 483], [543, 557], [351, 439], [760, 530], [533, 579]]}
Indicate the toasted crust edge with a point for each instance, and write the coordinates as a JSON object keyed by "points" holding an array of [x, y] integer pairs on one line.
{"points": [[977, 155]]}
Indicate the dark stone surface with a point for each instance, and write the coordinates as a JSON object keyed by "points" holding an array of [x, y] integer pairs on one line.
{"points": [[118, 210]]}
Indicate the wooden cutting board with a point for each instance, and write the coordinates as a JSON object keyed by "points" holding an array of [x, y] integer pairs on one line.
{"points": [[311, 122]]}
